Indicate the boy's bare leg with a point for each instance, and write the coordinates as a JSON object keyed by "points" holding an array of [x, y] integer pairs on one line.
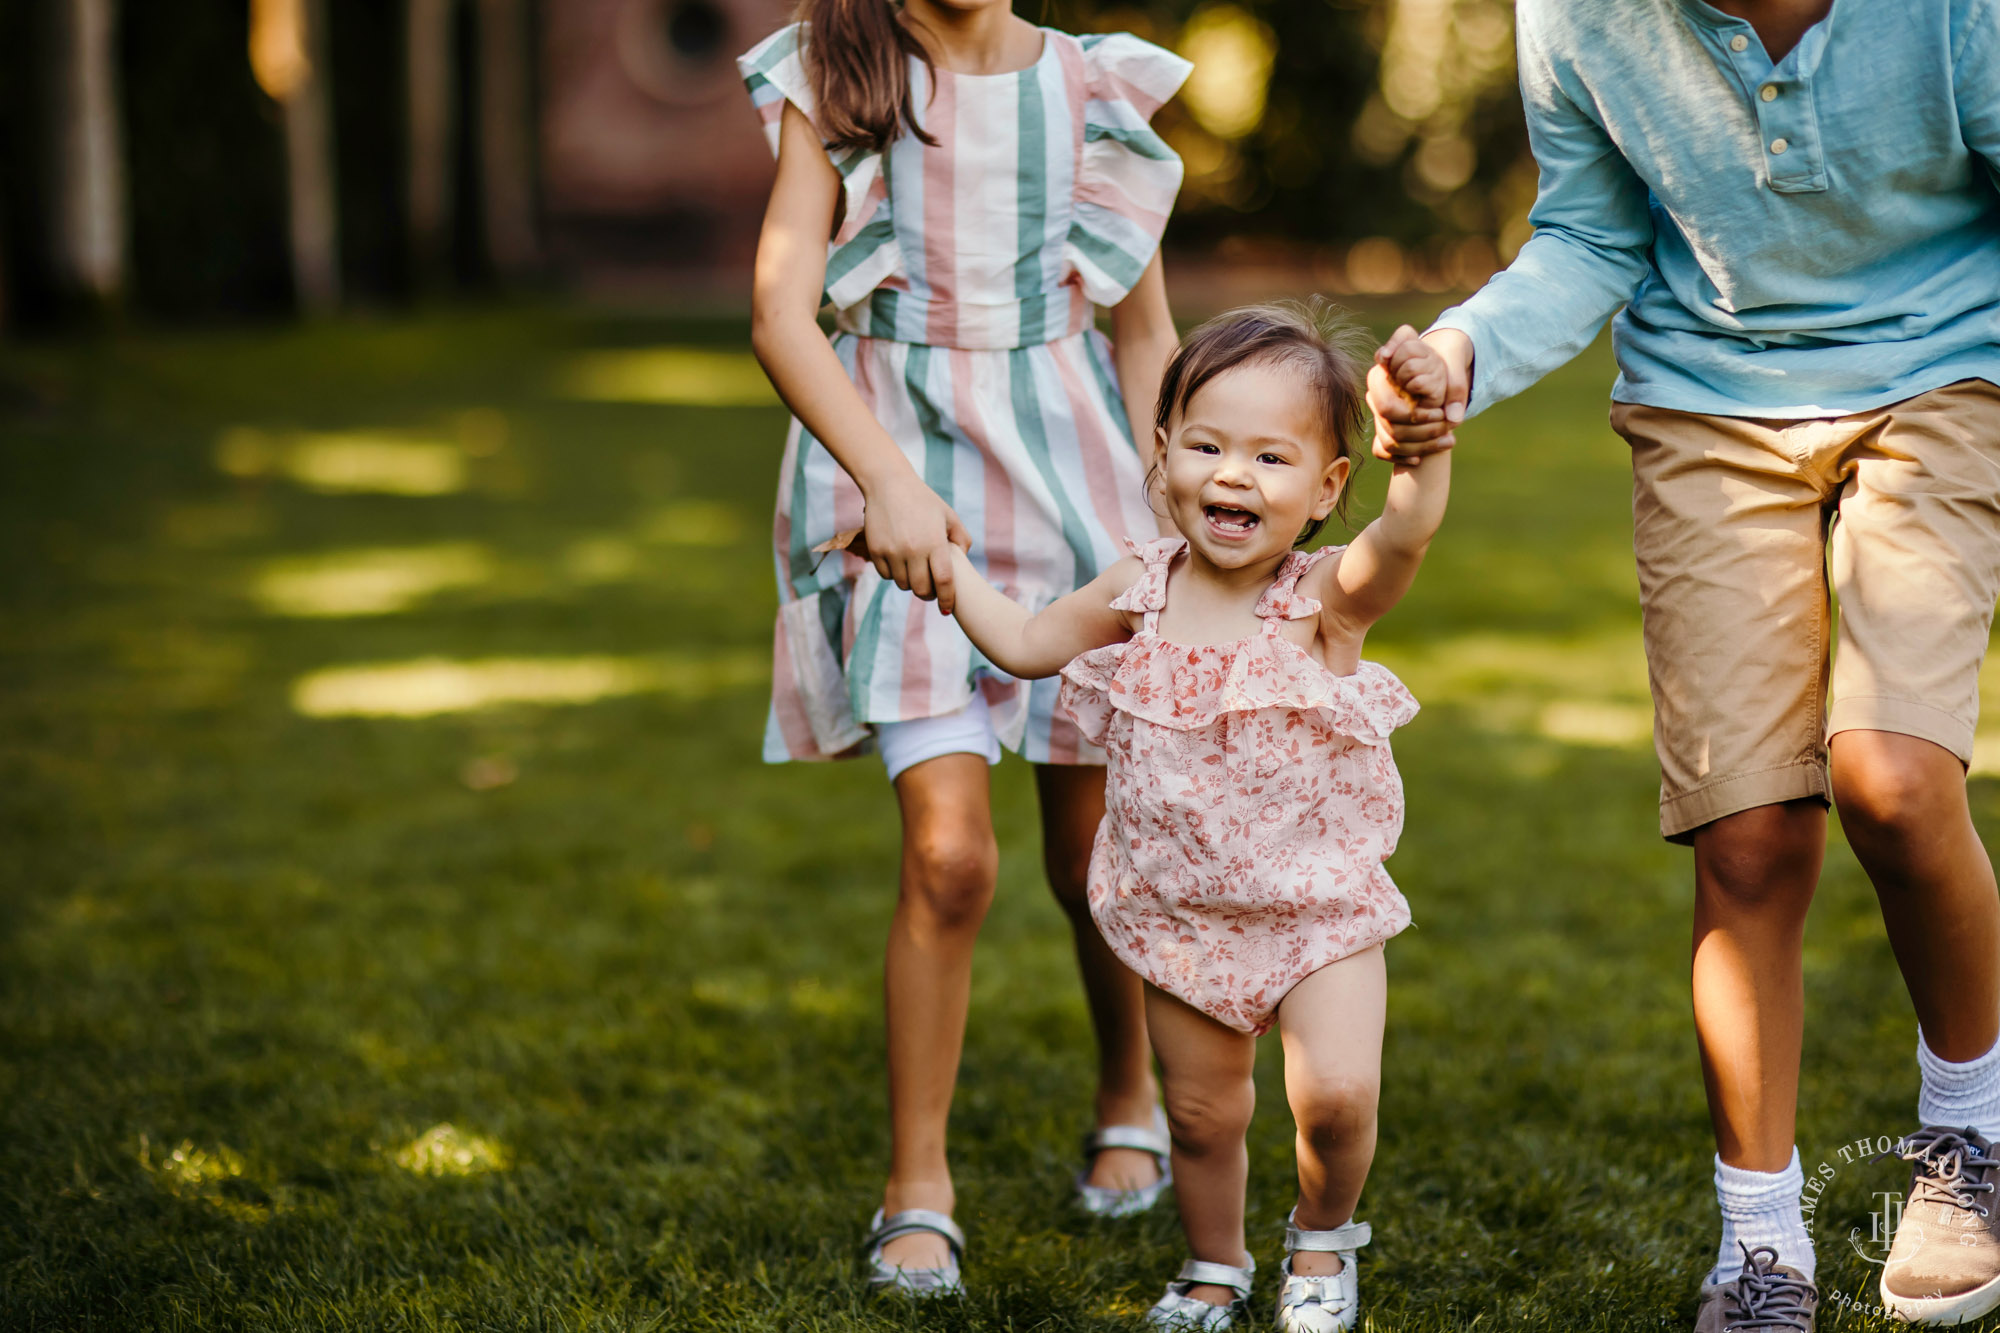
{"points": [[1332, 1028], [1902, 805], [1206, 1070], [1755, 872], [950, 862], [1072, 800]]}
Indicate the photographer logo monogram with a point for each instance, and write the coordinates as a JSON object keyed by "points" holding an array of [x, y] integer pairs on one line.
{"points": [[1886, 1215]]}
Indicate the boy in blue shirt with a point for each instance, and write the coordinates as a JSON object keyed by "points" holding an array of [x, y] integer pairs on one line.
{"points": [[1795, 203]]}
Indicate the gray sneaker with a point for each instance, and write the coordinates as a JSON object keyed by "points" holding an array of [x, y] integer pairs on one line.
{"points": [[1944, 1262], [1766, 1298]]}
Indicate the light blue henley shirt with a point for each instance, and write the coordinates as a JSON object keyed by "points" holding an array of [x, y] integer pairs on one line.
{"points": [[1805, 239]]}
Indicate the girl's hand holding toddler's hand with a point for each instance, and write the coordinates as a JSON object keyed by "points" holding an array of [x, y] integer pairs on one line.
{"points": [[945, 562], [905, 527], [1417, 390]]}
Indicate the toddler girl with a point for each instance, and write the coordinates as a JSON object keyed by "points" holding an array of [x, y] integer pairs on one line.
{"points": [[1251, 798], [965, 189]]}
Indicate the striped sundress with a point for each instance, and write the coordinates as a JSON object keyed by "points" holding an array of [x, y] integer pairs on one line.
{"points": [[963, 279]]}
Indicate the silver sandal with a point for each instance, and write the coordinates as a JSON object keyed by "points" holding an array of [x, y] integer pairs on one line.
{"points": [[1179, 1312], [922, 1283], [1321, 1304], [1104, 1201]]}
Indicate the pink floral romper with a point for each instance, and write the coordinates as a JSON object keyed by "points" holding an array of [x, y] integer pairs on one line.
{"points": [[1250, 802]]}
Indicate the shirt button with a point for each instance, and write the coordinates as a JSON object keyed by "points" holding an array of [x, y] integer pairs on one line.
{"points": [[1779, 145], [1769, 93], [1739, 43]]}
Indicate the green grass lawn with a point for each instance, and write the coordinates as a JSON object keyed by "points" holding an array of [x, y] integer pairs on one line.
{"points": [[398, 930]]}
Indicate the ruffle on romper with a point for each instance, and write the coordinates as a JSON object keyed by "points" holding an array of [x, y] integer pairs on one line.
{"points": [[1188, 687]]}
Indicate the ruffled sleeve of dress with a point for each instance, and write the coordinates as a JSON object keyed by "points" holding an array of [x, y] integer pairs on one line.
{"points": [[864, 251], [1127, 180]]}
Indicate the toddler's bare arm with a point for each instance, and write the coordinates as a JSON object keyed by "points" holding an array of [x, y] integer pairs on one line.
{"points": [[1033, 646], [1380, 565]]}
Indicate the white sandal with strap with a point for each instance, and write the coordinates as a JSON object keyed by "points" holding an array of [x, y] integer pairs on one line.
{"points": [[924, 1283], [1103, 1200], [1181, 1313], [1321, 1304]]}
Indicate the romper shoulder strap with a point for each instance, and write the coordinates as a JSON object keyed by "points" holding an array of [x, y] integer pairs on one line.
{"points": [[1283, 601], [1148, 592]]}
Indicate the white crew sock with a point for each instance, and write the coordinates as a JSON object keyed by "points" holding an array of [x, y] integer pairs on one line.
{"points": [[1957, 1096], [1761, 1208]]}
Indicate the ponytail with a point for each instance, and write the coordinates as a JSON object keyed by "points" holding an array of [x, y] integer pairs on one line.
{"points": [[857, 57]]}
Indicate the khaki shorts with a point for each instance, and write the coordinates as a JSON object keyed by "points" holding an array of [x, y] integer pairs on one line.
{"points": [[1731, 522]]}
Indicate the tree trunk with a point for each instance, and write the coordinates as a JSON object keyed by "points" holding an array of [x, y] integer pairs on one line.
{"points": [[288, 54], [89, 229], [431, 93], [309, 150], [506, 165]]}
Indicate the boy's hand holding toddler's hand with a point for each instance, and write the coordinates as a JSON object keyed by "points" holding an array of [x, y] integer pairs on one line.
{"points": [[1417, 390]]}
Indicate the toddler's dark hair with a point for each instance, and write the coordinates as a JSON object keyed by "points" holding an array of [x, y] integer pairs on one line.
{"points": [[1313, 337]]}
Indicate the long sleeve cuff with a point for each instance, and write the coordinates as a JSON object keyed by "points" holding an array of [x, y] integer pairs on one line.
{"points": [[1465, 321]]}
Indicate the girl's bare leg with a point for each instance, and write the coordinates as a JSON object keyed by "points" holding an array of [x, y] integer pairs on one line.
{"points": [[950, 862], [1072, 799], [1206, 1068], [1332, 1028]]}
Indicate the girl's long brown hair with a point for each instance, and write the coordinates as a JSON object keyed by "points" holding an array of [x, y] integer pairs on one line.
{"points": [[857, 57]]}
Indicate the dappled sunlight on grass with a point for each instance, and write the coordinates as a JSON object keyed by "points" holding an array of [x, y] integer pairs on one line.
{"points": [[1581, 691], [429, 686], [694, 523], [811, 996], [744, 992], [369, 581], [601, 560], [210, 1177], [1596, 722], [675, 376], [380, 461], [1986, 744], [446, 1150], [1986, 754]]}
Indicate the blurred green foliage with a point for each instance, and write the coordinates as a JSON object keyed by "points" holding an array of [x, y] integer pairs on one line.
{"points": [[1381, 118]]}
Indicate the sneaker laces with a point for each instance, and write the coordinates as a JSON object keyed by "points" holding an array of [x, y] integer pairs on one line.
{"points": [[1954, 1169], [1766, 1298]]}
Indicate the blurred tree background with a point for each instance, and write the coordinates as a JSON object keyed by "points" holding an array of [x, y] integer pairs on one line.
{"points": [[257, 157], [1382, 133]]}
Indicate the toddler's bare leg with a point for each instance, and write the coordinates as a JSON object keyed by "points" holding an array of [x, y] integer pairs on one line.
{"points": [[1331, 1024], [950, 862], [1072, 798], [1206, 1070]]}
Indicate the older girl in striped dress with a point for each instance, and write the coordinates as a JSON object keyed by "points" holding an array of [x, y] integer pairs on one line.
{"points": [[986, 184]]}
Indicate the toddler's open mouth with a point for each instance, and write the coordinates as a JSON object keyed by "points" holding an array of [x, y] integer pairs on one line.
{"points": [[1230, 521]]}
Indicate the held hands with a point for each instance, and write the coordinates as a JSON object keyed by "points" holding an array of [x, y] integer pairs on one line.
{"points": [[1417, 390], [948, 562], [908, 535]]}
